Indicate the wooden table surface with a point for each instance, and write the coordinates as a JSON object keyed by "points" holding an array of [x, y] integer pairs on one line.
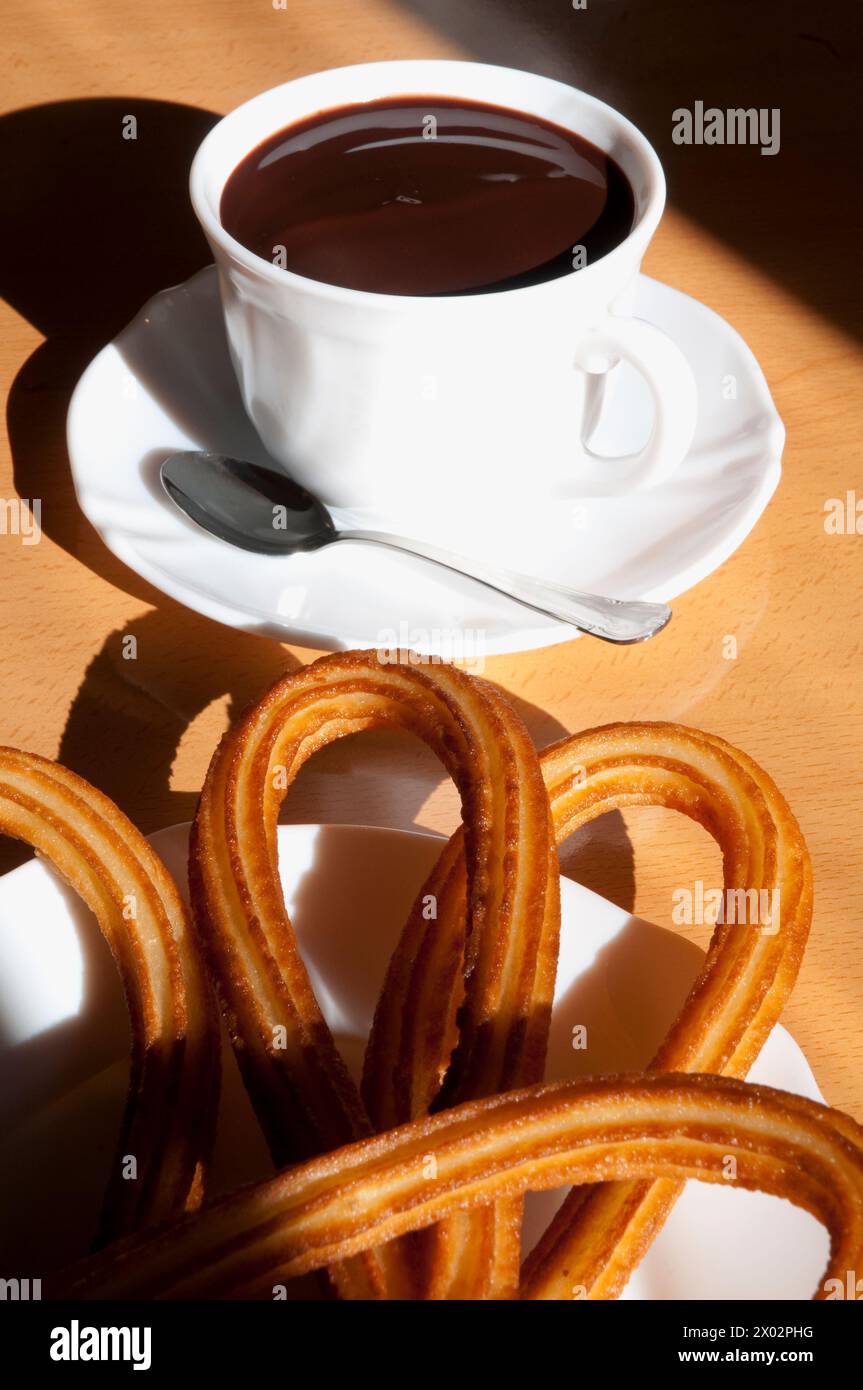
{"points": [[97, 224]]}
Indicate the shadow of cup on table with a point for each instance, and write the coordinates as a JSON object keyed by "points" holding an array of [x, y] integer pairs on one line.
{"points": [[94, 224]]}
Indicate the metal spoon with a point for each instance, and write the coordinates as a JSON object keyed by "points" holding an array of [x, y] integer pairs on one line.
{"points": [[261, 510]]}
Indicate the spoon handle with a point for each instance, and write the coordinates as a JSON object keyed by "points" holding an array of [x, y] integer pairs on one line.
{"points": [[614, 620]]}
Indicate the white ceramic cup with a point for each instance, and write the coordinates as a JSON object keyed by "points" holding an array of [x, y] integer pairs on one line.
{"points": [[399, 404]]}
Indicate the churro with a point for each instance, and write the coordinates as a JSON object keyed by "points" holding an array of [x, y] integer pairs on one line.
{"points": [[170, 1115], [430, 1205], [656, 1126], [304, 1098], [747, 974]]}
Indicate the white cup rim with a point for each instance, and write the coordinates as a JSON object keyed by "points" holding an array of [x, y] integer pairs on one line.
{"points": [[205, 200]]}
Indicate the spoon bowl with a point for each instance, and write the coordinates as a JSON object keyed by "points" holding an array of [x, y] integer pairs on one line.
{"points": [[258, 509], [245, 504]]}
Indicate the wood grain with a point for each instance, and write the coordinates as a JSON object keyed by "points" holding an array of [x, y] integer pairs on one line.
{"points": [[144, 730]]}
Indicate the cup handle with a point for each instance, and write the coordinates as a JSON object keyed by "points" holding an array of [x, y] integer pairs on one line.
{"points": [[675, 402]]}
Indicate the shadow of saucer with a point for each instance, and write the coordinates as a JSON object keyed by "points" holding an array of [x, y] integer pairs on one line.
{"points": [[143, 706], [135, 703]]}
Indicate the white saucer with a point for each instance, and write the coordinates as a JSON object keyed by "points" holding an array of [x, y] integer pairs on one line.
{"points": [[166, 383], [64, 1040]]}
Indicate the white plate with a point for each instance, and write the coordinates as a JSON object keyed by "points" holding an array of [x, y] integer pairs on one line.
{"points": [[166, 383], [64, 1035]]}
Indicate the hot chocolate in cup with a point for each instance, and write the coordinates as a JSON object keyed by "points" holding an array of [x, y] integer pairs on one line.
{"points": [[470, 373]]}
